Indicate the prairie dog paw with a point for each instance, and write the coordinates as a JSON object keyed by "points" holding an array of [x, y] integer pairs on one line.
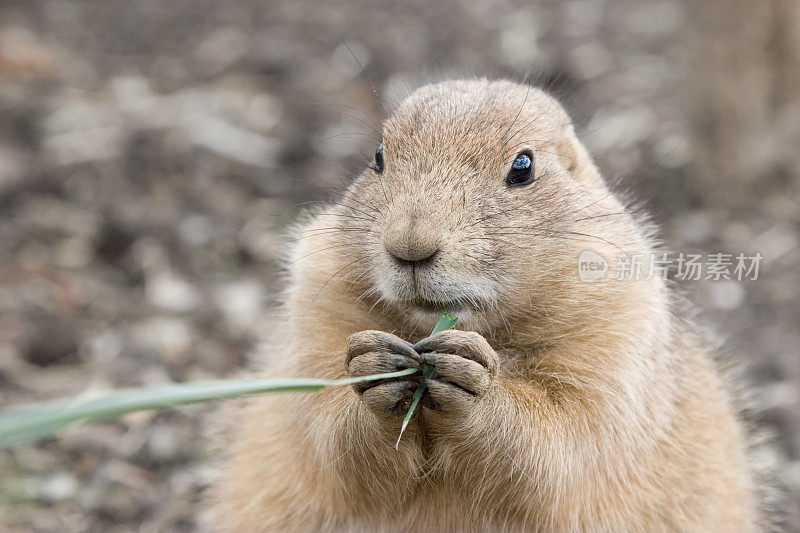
{"points": [[374, 352], [464, 367]]}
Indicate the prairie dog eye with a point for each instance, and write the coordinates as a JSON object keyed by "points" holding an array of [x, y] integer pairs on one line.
{"points": [[522, 170], [377, 166]]}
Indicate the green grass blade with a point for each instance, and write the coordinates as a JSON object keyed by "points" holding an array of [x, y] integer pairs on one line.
{"points": [[445, 322], [24, 424], [417, 396]]}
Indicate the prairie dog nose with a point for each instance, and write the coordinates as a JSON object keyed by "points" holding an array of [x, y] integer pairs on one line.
{"points": [[411, 241]]}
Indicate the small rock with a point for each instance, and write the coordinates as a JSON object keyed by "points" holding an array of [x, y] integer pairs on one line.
{"points": [[58, 486], [11, 167], [171, 293], [196, 230], [240, 302], [726, 294], [53, 341], [694, 227], [519, 38], [231, 141]]}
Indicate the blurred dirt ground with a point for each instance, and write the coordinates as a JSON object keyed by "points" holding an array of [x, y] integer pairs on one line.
{"points": [[151, 154]]}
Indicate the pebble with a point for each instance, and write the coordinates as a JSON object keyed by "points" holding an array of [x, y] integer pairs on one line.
{"points": [[172, 293]]}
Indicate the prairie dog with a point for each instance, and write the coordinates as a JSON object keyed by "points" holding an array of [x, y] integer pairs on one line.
{"points": [[557, 404]]}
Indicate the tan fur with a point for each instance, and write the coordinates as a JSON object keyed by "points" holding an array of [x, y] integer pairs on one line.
{"points": [[596, 409]]}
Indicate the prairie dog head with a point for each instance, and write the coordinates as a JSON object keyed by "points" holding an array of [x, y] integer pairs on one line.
{"points": [[479, 202]]}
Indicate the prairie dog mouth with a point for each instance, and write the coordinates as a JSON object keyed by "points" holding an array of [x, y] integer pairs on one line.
{"points": [[429, 295], [438, 306], [433, 305]]}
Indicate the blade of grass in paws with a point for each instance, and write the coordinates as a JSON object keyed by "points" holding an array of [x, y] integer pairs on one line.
{"points": [[29, 423], [445, 322]]}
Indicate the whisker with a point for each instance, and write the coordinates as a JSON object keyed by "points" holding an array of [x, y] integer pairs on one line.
{"points": [[287, 265], [561, 233], [360, 258], [365, 205], [516, 117], [325, 231], [363, 72], [344, 134], [600, 216], [364, 123], [593, 203], [366, 217], [353, 108]]}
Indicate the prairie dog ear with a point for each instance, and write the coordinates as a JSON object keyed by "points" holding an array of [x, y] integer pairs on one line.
{"points": [[574, 157]]}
